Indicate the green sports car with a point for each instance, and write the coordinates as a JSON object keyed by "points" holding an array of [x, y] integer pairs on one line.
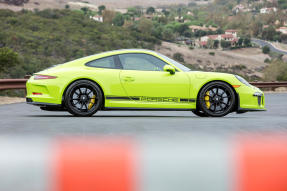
{"points": [[139, 80]]}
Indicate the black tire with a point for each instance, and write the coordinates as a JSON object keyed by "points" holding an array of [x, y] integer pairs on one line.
{"points": [[83, 98], [199, 113], [216, 99]]}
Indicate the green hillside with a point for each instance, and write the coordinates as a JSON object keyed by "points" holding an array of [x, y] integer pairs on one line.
{"points": [[49, 37]]}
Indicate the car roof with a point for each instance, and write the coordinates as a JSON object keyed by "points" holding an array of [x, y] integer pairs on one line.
{"points": [[121, 51]]}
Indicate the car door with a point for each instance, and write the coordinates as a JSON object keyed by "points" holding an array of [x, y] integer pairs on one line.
{"points": [[144, 80], [106, 71]]}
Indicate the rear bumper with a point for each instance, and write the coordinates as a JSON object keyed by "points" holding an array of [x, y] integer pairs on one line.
{"points": [[40, 104], [43, 91], [46, 106]]}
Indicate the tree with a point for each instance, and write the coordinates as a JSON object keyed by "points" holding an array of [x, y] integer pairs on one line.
{"points": [[240, 42], [210, 43], [119, 20], [216, 44], [67, 6], [282, 4], [266, 50], [145, 26], [150, 10], [85, 10], [134, 12], [108, 16], [16, 2], [181, 28], [168, 35], [200, 33], [268, 33], [247, 42], [101, 8], [225, 44], [165, 12], [283, 38], [8, 59], [256, 27], [219, 31]]}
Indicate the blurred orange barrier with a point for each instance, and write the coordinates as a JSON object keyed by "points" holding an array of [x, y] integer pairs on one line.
{"points": [[262, 163], [185, 163], [91, 165]]}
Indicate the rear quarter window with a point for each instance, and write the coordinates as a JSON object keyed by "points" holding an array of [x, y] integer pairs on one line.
{"points": [[106, 62]]}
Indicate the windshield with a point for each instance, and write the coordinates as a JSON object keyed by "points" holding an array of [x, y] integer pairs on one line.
{"points": [[178, 65]]}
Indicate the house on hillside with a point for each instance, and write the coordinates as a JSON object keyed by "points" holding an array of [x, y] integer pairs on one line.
{"points": [[190, 13], [158, 10], [97, 18], [238, 8], [219, 37], [121, 10], [266, 10], [79, 5], [283, 30], [232, 32], [195, 28], [179, 18], [265, 26], [147, 16]]}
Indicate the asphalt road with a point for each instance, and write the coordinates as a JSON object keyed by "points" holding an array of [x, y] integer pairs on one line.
{"points": [[23, 119], [263, 43]]}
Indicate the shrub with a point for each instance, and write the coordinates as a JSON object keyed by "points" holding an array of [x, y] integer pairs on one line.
{"points": [[179, 57], [239, 67], [267, 60], [212, 53], [8, 58], [266, 50], [276, 70]]}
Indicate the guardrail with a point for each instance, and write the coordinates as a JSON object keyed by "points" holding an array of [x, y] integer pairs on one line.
{"points": [[269, 84], [6, 84]]}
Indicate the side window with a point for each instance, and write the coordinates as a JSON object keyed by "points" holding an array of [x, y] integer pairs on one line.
{"points": [[107, 62], [143, 62]]}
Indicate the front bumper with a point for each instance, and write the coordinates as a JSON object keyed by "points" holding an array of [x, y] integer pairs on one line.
{"points": [[250, 99]]}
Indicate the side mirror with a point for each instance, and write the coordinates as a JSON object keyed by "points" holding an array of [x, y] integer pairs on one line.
{"points": [[169, 68]]}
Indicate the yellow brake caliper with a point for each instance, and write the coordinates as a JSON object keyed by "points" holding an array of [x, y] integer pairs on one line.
{"points": [[206, 98], [92, 102]]}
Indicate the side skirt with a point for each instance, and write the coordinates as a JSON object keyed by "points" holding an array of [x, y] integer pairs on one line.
{"points": [[144, 109], [243, 110]]}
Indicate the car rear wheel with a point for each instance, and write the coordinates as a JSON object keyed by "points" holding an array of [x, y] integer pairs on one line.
{"points": [[216, 99], [83, 98]]}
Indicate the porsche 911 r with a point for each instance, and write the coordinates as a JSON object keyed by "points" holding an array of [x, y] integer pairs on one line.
{"points": [[139, 80]]}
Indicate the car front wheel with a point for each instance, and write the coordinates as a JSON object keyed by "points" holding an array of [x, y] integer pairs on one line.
{"points": [[216, 99]]}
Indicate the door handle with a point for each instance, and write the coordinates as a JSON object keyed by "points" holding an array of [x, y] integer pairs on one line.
{"points": [[128, 79]]}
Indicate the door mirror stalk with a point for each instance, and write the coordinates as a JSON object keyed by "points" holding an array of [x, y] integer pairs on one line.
{"points": [[169, 68]]}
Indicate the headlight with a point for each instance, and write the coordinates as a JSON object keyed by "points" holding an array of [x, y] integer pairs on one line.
{"points": [[242, 80]]}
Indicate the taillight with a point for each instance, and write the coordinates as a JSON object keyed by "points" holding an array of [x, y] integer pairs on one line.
{"points": [[43, 77], [37, 93]]}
